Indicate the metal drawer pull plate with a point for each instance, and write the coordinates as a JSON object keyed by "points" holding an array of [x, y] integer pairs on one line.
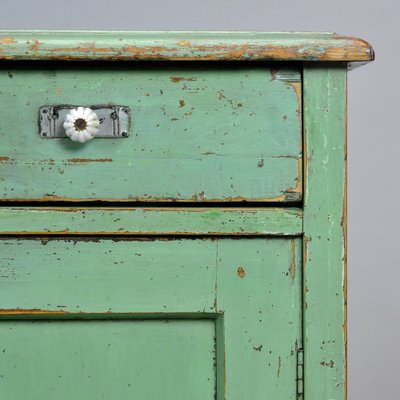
{"points": [[81, 124]]}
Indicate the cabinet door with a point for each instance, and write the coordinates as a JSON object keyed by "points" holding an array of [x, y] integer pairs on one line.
{"points": [[149, 319]]}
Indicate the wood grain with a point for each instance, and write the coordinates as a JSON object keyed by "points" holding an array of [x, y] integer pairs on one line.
{"points": [[156, 46]]}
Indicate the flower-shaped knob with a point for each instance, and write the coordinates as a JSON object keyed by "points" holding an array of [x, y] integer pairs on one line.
{"points": [[81, 124]]}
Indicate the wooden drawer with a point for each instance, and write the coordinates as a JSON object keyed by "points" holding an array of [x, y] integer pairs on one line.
{"points": [[209, 314], [219, 132]]}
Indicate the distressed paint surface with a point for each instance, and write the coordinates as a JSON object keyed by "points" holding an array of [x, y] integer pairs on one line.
{"points": [[96, 45], [235, 305], [102, 359], [257, 316], [102, 276], [151, 221], [260, 299], [239, 125], [325, 232]]}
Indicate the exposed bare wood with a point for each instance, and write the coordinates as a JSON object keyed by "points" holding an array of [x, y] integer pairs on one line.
{"points": [[188, 46]]}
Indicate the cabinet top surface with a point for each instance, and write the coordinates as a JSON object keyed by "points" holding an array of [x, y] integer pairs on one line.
{"points": [[183, 46]]}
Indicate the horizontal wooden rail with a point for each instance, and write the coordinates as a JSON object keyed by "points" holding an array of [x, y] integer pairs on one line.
{"points": [[151, 221]]}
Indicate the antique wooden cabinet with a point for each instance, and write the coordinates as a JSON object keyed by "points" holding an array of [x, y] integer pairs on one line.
{"points": [[196, 247]]}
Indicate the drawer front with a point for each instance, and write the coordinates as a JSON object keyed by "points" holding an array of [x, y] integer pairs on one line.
{"points": [[172, 319], [199, 132]]}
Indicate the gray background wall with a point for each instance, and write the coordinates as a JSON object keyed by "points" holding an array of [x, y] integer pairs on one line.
{"points": [[374, 138]]}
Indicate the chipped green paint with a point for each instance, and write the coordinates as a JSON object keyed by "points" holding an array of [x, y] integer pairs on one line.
{"points": [[222, 298], [256, 320], [325, 232], [271, 46], [266, 368], [239, 125], [151, 221]]}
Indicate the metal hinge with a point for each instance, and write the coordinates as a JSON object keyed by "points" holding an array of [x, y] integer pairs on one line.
{"points": [[300, 374]]}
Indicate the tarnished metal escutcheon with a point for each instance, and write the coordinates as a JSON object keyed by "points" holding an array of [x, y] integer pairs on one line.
{"points": [[114, 121]]}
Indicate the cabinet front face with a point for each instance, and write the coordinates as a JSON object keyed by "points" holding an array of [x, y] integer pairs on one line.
{"points": [[237, 123], [219, 302], [174, 319]]}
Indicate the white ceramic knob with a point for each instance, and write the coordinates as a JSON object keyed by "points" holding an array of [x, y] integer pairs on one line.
{"points": [[81, 124]]}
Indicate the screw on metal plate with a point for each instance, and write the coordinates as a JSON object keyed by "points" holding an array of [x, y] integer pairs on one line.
{"points": [[114, 121]]}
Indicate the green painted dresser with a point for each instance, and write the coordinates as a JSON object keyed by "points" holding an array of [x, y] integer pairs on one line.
{"points": [[195, 249]]}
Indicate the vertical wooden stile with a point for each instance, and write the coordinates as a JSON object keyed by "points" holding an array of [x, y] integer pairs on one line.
{"points": [[325, 231]]}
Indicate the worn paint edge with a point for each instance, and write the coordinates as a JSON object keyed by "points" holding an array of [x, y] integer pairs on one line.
{"points": [[291, 194], [330, 120], [151, 221], [181, 46], [19, 314]]}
